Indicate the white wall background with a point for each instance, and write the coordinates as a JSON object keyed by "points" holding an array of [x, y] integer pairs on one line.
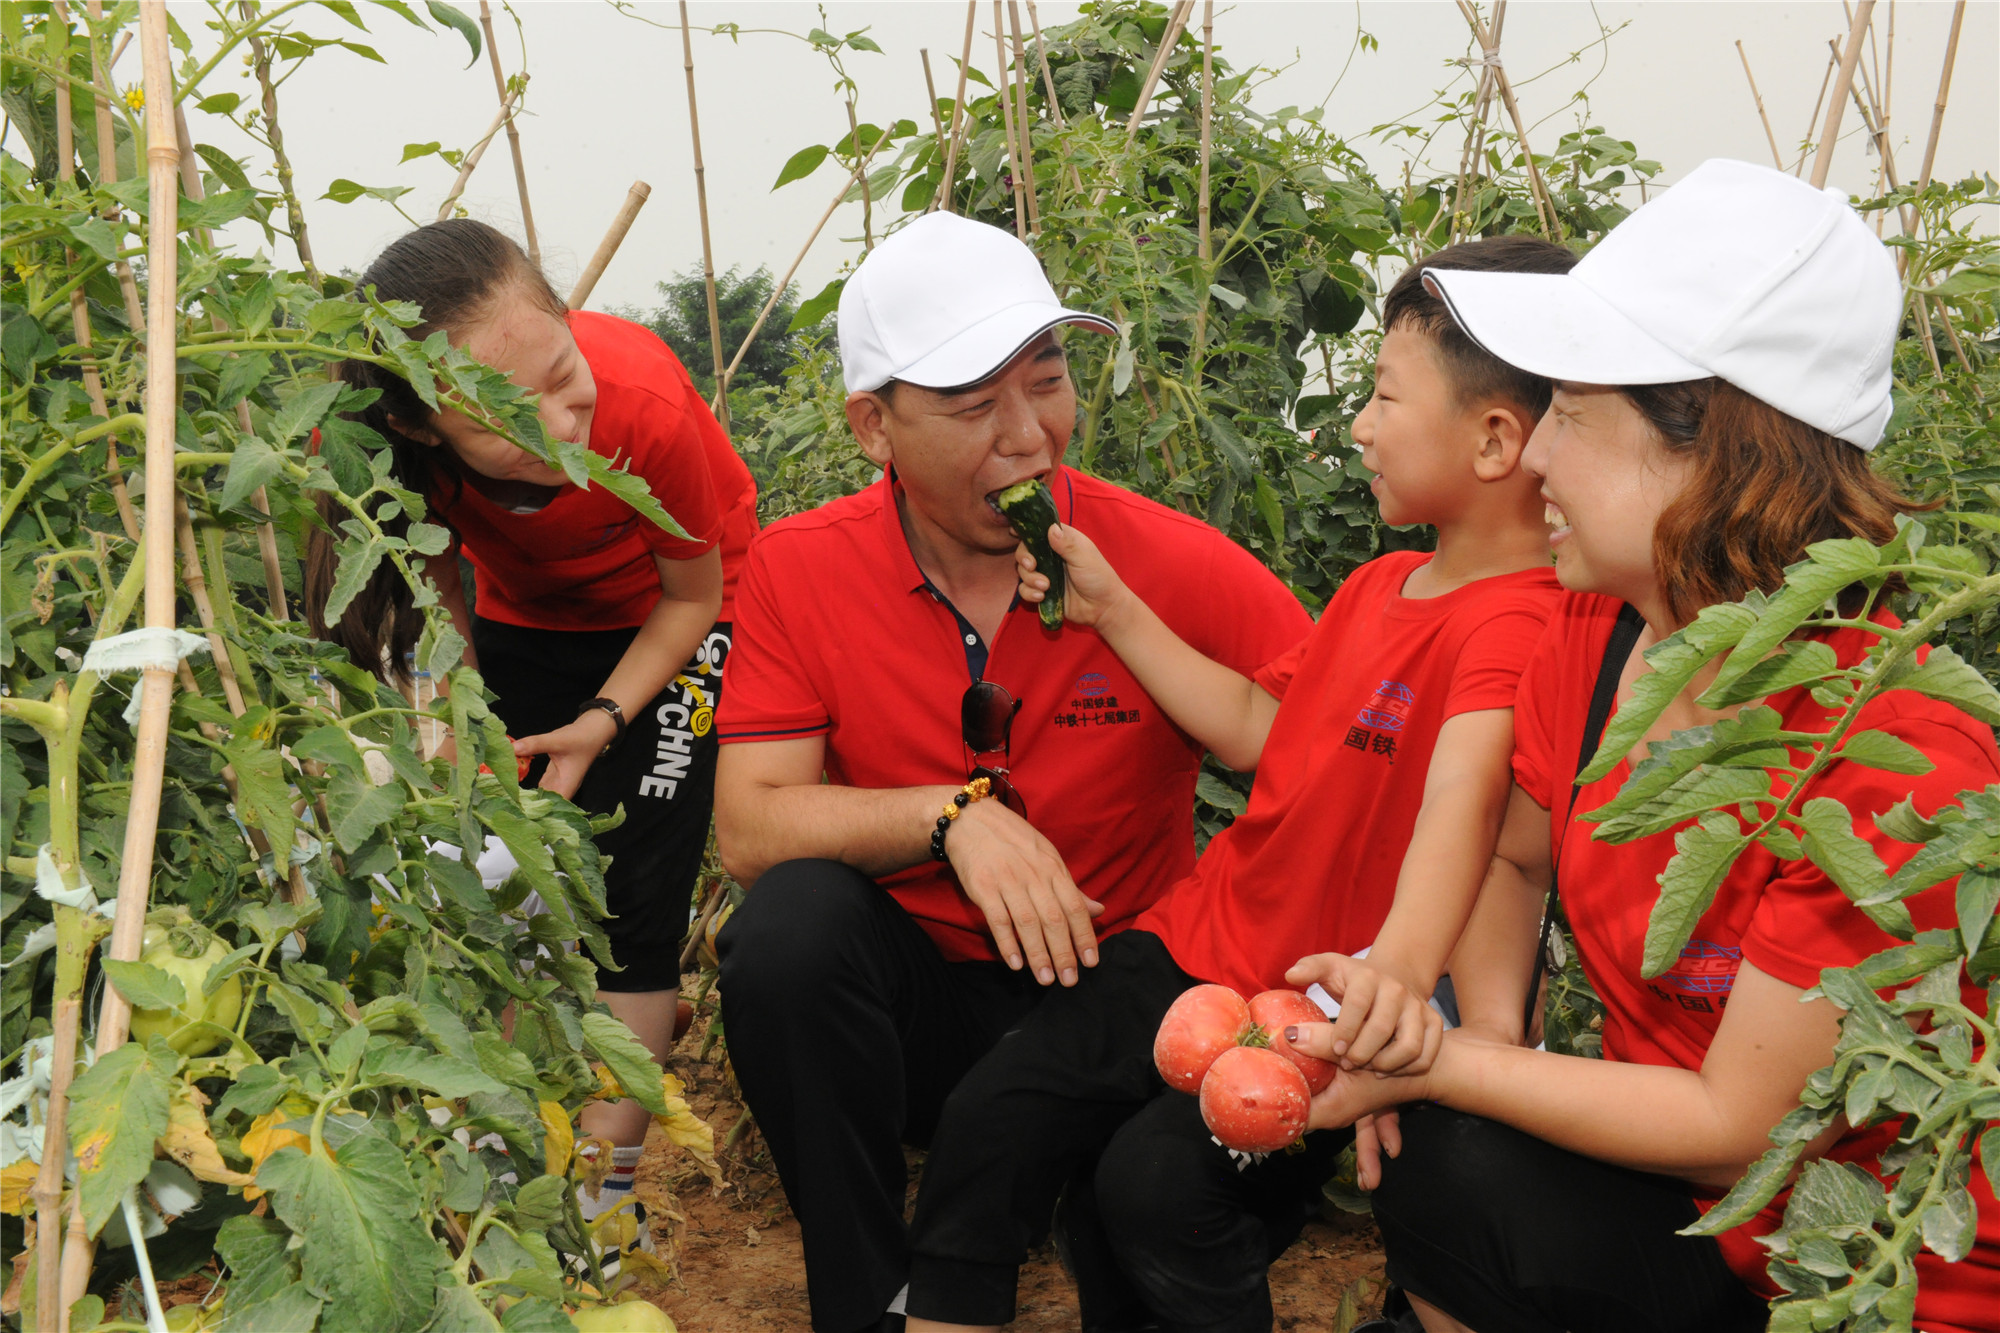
{"points": [[607, 104]]}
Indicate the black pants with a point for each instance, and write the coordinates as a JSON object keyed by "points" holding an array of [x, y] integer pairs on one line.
{"points": [[1191, 1229], [1510, 1234], [847, 1030], [662, 772]]}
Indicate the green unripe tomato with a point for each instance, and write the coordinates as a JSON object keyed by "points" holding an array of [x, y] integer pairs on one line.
{"points": [[186, 952], [189, 1318], [626, 1317]]}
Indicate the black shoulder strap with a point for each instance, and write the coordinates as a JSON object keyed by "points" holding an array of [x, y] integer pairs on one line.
{"points": [[1624, 634]]}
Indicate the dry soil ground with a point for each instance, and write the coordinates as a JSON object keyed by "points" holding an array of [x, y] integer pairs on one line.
{"points": [[741, 1269]]}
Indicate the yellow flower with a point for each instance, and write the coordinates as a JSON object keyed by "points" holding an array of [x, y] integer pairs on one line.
{"points": [[135, 98]]}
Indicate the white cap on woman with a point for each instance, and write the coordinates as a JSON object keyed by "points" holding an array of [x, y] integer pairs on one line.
{"points": [[1739, 272]]}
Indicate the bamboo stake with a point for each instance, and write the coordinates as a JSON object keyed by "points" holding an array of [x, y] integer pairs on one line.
{"points": [[513, 136], [1049, 88], [478, 150], [867, 204], [1871, 122], [1849, 56], [930, 88], [701, 206], [267, 537], [1023, 121], [1943, 94], [1819, 103], [107, 167], [295, 217], [1202, 246], [79, 305], [1006, 96], [1475, 134], [778, 290], [156, 687], [1545, 208], [958, 117], [1175, 23], [614, 236], [1777, 159], [1889, 66]]}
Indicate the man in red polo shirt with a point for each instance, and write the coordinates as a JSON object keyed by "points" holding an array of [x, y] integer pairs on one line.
{"points": [[864, 976]]}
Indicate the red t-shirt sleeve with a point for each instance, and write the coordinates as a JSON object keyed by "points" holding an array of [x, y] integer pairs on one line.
{"points": [[1535, 699], [1488, 674], [1803, 922], [770, 696], [663, 446], [1275, 676]]}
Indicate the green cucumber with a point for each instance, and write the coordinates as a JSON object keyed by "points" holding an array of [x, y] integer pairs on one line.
{"points": [[1030, 510]]}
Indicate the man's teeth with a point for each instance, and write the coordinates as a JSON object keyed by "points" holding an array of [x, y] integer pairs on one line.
{"points": [[1553, 515]]}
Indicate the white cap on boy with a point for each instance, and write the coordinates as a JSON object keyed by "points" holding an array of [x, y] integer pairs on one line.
{"points": [[1740, 272], [946, 302]]}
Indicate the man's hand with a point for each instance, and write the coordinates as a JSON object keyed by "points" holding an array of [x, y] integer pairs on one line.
{"points": [[1384, 1024], [1093, 591], [1017, 878], [571, 750]]}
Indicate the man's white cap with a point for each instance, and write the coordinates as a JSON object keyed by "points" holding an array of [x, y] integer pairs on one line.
{"points": [[946, 302], [1739, 272]]}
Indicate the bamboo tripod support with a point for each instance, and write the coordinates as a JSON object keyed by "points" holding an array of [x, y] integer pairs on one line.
{"points": [[1006, 94], [1777, 158], [930, 94], [156, 683], [1202, 244], [1489, 45], [614, 236], [1023, 120], [1475, 135], [1943, 94], [1176, 23], [513, 136], [1850, 55], [478, 150], [701, 206], [942, 199]]}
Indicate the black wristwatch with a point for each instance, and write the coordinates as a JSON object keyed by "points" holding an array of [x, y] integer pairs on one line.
{"points": [[617, 719]]}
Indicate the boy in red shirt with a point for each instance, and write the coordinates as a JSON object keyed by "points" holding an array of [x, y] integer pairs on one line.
{"points": [[1379, 742]]}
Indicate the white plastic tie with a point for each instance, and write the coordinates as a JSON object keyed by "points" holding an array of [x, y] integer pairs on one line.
{"points": [[49, 883], [150, 649]]}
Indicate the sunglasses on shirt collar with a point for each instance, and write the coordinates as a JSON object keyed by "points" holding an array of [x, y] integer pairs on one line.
{"points": [[986, 721]]}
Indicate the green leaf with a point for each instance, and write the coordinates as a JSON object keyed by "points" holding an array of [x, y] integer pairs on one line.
{"points": [[241, 374], [629, 1061], [117, 1108], [445, 1075], [1878, 749], [1902, 822], [1759, 1185], [816, 308], [358, 807], [1702, 859], [1674, 662], [1792, 665], [459, 1310], [263, 797], [358, 558], [1223, 435], [219, 104], [456, 20], [1234, 300], [1832, 844], [1946, 676], [1978, 896], [801, 164], [533, 1314], [303, 411], [1705, 788], [1830, 1194], [252, 464], [358, 1216], [539, 1205], [146, 986], [633, 490], [1951, 1225]]}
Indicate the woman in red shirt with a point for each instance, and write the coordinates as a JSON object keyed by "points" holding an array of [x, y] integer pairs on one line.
{"points": [[602, 636], [1722, 361]]}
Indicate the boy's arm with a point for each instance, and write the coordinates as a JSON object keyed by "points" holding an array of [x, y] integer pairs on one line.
{"points": [[1384, 1015], [1226, 711]]}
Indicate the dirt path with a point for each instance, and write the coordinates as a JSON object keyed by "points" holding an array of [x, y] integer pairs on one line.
{"points": [[742, 1269]]}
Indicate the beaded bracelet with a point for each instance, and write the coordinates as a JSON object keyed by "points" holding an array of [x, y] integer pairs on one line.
{"points": [[976, 790]]}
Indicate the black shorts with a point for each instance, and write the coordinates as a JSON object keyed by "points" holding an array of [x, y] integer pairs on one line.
{"points": [[1511, 1234], [662, 772]]}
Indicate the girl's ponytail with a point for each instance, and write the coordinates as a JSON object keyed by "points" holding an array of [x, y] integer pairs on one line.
{"points": [[455, 271]]}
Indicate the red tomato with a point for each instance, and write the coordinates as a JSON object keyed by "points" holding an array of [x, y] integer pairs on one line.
{"points": [[1274, 1011], [1254, 1099], [1202, 1024]]}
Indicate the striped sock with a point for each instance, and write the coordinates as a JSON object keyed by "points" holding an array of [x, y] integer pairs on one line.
{"points": [[617, 1187]]}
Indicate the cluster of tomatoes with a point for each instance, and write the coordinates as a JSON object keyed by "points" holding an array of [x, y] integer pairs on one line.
{"points": [[1255, 1086]]}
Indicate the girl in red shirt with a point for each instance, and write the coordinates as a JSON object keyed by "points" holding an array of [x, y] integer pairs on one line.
{"points": [[1723, 365], [602, 636]]}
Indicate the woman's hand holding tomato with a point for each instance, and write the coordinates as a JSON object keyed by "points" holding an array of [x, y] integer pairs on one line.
{"points": [[1384, 1024], [571, 750]]}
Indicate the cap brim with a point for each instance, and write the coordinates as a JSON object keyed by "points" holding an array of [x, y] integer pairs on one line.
{"points": [[1550, 324], [989, 345]]}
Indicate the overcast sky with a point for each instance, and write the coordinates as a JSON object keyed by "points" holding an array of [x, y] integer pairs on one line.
{"points": [[607, 104]]}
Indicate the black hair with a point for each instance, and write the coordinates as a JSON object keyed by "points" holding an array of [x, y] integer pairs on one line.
{"points": [[455, 271], [1475, 375]]}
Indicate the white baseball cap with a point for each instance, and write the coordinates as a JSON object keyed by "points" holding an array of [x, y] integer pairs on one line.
{"points": [[1739, 272], [946, 302]]}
